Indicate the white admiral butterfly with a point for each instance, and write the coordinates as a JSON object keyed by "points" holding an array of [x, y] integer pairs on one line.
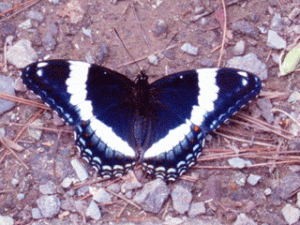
{"points": [[120, 123]]}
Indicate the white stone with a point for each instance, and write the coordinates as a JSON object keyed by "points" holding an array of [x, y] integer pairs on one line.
{"points": [[26, 24], [93, 211], [14, 182], [290, 213], [196, 209], [243, 219], [6, 220], [20, 196], [79, 169], [268, 191], [67, 182], [188, 48], [101, 196], [253, 179], [239, 48], [238, 162], [21, 54], [275, 41], [153, 60], [36, 213], [298, 200]]}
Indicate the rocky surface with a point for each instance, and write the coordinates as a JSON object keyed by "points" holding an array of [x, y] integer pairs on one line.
{"points": [[254, 181]]}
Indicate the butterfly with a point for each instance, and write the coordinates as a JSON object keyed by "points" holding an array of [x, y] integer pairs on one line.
{"points": [[120, 123]]}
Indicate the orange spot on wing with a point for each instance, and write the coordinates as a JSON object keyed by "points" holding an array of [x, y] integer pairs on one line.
{"points": [[196, 129]]}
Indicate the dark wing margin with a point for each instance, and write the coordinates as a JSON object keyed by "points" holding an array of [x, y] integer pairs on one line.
{"points": [[90, 97], [193, 103]]}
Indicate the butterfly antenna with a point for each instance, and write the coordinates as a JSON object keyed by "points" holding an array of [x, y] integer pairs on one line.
{"points": [[165, 49], [126, 49], [167, 46]]}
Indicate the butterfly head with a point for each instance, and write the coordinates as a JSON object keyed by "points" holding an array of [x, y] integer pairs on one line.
{"points": [[142, 78]]}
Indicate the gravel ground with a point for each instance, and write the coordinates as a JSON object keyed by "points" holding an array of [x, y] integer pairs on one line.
{"points": [[249, 170]]}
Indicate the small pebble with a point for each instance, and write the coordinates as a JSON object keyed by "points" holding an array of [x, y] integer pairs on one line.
{"points": [[188, 48], [242, 219], [67, 182], [265, 105], [203, 21], [49, 205], [239, 48], [102, 53], [49, 42], [262, 29], [290, 213], [199, 9], [47, 188], [7, 87], [19, 85], [71, 192], [93, 211], [294, 13], [240, 179], [36, 133], [295, 96], [14, 182], [276, 23], [25, 25], [101, 196], [83, 191], [2, 132], [152, 196], [87, 32], [6, 220], [286, 21], [238, 162], [244, 27], [275, 41], [114, 187], [253, 179], [251, 63], [298, 200], [207, 63], [79, 169], [153, 60], [169, 220], [276, 57], [196, 209], [170, 54], [36, 213], [21, 54], [20, 196], [160, 28], [35, 15], [268, 191], [181, 198]]}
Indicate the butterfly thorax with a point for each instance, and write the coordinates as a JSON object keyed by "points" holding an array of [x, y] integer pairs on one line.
{"points": [[143, 112], [142, 95]]}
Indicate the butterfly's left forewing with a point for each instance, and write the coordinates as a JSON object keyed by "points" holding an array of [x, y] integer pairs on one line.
{"points": [[98, 101]]}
